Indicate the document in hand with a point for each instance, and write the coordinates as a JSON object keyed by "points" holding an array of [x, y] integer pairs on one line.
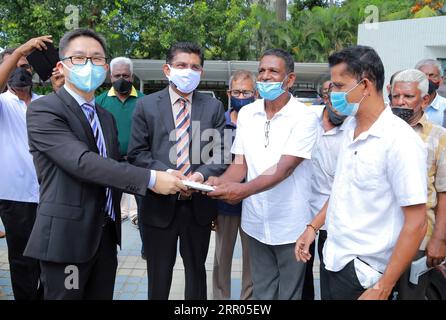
{"points": [[198, 186]]}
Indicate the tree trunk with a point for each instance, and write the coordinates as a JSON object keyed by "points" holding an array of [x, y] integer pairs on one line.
{"points": [[281, 6]]}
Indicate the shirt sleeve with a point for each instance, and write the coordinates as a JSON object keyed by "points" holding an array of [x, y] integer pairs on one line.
{"points": [[152, 180], [303, 137], [407, 169]]}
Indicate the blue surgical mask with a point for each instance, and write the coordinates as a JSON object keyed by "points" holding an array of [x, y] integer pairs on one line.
{"points": [[87, 77], [270, 90], [186, 80], [237, 104], [340, 104]]}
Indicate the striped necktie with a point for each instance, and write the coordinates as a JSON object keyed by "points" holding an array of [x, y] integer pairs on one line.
{"points": [[182, 124], [100, 143]]}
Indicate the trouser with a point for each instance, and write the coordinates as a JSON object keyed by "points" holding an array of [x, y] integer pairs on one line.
{"points": [[225, 238], [409, 291], [18, 219], [276, 274], [160, 245], [93, 280], [308, 290], [340, 285]]}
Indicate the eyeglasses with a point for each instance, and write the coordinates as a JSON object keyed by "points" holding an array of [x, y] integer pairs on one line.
{"points": [[245, 93], [181, 65], [82, 60], [433, 76], [267, 127]]}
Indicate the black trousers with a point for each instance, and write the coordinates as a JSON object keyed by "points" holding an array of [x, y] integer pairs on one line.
{"points": [[93, 280], [341, 285], [160, 245], [308, 290], [18, 219]]}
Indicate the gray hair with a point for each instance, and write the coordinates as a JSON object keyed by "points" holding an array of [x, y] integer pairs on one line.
{"points": [[121, 61], [430, 62], [242, 75], [413, 75]]}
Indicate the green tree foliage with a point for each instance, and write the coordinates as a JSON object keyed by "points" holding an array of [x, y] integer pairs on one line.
{"points": [[227, 30]]}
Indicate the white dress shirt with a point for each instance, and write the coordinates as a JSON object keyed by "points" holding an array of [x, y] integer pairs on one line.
{"points": [[324, 159], [276, 216], [379, 172], [18, 179]]}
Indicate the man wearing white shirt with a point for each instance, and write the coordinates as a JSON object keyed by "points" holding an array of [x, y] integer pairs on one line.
{"points": [[275, 136], [323, 159], [437, 106], [376, 213], [19, 189]]}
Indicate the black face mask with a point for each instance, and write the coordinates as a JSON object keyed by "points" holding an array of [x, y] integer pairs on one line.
{"points": [[404, 113], [122, 86], [335, 118], [433, 86]]}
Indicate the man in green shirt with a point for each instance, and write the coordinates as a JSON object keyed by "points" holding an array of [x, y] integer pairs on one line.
{"points": [[120, 100]]}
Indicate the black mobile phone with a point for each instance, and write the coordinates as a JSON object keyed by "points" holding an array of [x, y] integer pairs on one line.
{"points": [[44, 61]]}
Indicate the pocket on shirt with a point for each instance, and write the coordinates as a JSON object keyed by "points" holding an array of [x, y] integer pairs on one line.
{"points": [[366, 172]]}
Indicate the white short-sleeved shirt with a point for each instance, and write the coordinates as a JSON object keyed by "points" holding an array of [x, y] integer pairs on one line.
{"points": [[18, 179], [381, 171], [279, 215], [324, 159]]}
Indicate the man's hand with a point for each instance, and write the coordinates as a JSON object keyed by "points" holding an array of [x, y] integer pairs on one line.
{"points": [[167, 183], [196, 177], [302, 248], [377, 292], [33, 44], [213, 181], [435, 251], [230, 192], [57, 79], [177, 174]]}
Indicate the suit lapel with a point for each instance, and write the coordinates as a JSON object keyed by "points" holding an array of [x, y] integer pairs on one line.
{"points": [[165, 111], [76, 109]]}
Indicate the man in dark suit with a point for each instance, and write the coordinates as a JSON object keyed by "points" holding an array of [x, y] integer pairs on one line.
{"points": [[178, 130], [75, 151]]}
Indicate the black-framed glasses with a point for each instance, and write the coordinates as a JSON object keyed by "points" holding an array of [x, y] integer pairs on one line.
{"points": [[82, 60], [246, 93], [267, 127]]}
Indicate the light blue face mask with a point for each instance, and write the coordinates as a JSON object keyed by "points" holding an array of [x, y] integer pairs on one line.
{"points": [[270, 90], [87, 77], [340, 104]]}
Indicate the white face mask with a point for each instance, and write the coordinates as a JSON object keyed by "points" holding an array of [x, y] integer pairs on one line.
{"points": [[186, 80]]}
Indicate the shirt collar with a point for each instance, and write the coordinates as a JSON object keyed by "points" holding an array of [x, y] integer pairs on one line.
{"points": [[79, 99], [112, 92], [434, 103], [378, 128], [175, 96], [285, 111], [11, 95], [423, 123]]}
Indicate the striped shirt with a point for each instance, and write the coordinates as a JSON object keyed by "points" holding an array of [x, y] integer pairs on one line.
{"points": [[434, 136]]}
